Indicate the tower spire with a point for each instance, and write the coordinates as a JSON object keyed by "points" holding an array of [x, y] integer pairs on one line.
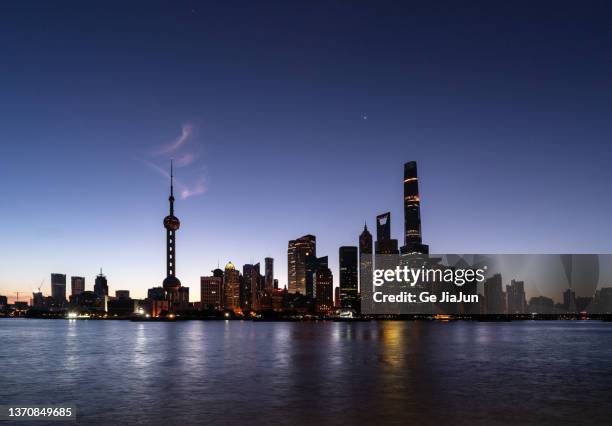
{"points": [[171, 199]]}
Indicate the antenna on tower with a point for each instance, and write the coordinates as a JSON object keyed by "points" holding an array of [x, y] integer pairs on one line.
{"points": [[171, 176]]}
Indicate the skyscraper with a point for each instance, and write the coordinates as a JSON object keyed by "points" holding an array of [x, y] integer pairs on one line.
{"points": [[384, 243], [494, 295], [250, 289], [365, 258], [211, 292], [301, 262], [231, 287], [366, 262], [58, 288], [269, 275], [172, 224], [101, 285], [349, 297], [412, 212], [324, 289], [77, 285], [515, 295]]}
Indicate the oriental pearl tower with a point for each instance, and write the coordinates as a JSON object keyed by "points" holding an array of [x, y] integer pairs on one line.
{"points": [[172, 224]]}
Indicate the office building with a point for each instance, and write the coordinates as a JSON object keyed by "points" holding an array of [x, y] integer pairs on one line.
{"points": [[515, 297], [384, 243], [349, 296], [211, 292], [77, 285], [58, 288], [494, 295], [231, 287], [301, 264], [269, 274], [324, 285], [101, 285]]}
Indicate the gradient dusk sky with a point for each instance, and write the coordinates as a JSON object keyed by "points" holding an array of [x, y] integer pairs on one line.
{"points": [[289, 118]]}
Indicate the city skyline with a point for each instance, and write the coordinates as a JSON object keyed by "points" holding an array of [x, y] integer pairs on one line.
{"points": [[309, 273], [298, 133]]}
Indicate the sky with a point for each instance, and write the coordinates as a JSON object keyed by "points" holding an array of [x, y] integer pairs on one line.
{"points": [[288, 118]]}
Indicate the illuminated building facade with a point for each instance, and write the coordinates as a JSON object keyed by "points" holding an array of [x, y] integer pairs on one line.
{"points": [[211, 292], [301, 262], [324, 285], [231, 287], [349, 296], [413, 243]]}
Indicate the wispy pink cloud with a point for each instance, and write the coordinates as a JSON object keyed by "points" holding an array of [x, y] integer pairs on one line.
{"points": [[186, 132], [185, 159], [198, 188], [185, 191]]}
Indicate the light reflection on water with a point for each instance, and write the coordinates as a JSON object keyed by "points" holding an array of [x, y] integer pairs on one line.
{"points": [[232, 372]]}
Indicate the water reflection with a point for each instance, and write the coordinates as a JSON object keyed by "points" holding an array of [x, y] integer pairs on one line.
{"points": [[304, 373]]}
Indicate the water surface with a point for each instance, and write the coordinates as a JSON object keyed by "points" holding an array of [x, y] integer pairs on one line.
{"points": [[231, 372]]}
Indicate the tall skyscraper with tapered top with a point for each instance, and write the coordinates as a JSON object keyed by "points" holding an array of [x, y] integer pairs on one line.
{"points": [[172, 224], [413, 241], [365, 260]]}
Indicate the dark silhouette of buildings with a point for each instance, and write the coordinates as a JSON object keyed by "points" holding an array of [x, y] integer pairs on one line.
{"points": [[77, 285], [171, 284], [183, 297], [365, 258], [349, 297], [122, 294], [58, 288], [541, 305], [515, 297], [269, 274], [494, 295], [384, 243], [251, 287], [413, 243], [156, 293], [569, 300], [101, 285]]}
